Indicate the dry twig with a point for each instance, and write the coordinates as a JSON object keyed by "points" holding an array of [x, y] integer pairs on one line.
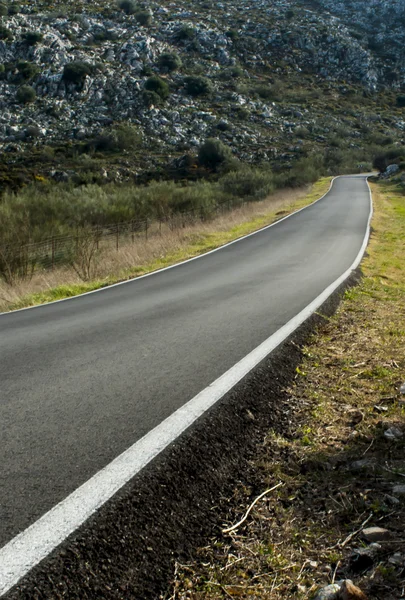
{"points": [[250, 508]]}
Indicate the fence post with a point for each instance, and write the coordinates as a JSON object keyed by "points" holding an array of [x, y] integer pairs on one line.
{"points": [[53, 253], [160, 227], [97, 236], [118, 236], [132, 231], [146, 228]]}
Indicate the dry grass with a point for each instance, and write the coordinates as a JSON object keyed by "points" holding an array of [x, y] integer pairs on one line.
{"points": [[158, 251], [345, 396]]}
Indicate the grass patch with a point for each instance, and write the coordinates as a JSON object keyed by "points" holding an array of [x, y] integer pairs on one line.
{"points": [[163, 251], [337, 465]]}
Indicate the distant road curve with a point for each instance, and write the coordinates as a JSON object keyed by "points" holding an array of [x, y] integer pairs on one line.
{"points": [[84, 379]]}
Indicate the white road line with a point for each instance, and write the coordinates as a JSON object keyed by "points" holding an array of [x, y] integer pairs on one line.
{"points": [[31, 546], [183, 262]]}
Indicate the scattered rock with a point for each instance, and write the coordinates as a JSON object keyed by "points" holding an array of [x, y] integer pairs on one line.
{"points": [[393, 433], [397, 559], [399, 490], [328, 593], [349, 591], [380, 409], [402, 389], [344, 590], [391, 500], [376, 534]]}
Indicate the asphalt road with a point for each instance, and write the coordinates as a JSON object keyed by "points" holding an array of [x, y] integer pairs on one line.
{"points": [[82, 380]]}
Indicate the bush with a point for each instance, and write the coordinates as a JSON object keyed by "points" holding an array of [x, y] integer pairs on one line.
{"points": [[76, 72], [26, 70], [214, 153], [185, 33], [128, 6], [122, 137], [158, 85], [390, 157], [5, 34], [401, 101], [197, 85], [143, 18], [32, 38], [169, 61], [3, 10], [151, 99], [26, 94], [248, 183]]}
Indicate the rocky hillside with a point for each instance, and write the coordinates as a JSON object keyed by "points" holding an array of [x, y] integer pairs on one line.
{"points": [[148, 83]]}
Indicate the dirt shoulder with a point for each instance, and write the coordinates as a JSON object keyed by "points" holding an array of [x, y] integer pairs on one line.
{"points": [[339, 465]]}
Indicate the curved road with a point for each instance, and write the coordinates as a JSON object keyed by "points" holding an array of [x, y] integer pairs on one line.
{"points": [[82, 380]]}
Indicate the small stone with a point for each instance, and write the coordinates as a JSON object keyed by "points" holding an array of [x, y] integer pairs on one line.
{"points": [[399, 490], [393, 433], [376, 534], [328, 593], [380, 409], [391, 500], [402, 389], [349, 591], [397, 559]]}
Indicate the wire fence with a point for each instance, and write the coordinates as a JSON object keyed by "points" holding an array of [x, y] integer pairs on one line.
{"points": [[79, 249]]}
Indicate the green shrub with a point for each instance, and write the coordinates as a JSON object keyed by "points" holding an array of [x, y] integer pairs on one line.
{"points": [[197, 85], [390, 157], [2, 71], [267, 92], [248, 183], [26, 94], [128, 6], [121, 137], [170, 61], [186, 33], [33, 38], [76, 71], [144, 18], [5, 34], [151, 98], [26, 70], [159, 86], [213, 153], [232, 34], [400, 101], [3, 10], [13, 9]]}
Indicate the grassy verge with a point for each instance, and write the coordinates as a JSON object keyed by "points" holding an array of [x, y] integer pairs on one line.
{"points": [[158, 253], [338, 465]]}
